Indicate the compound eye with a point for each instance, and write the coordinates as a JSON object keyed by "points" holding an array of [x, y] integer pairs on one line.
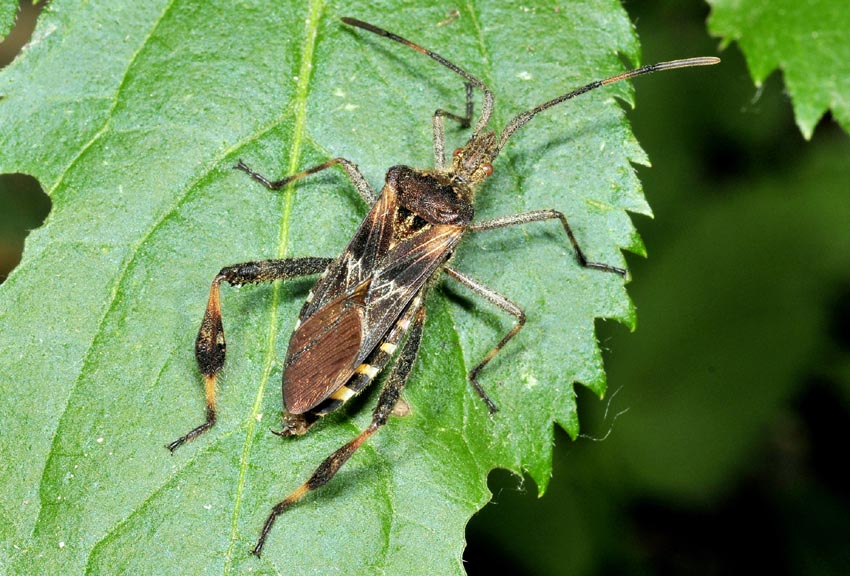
{"points": [[488, 169], [457, 152]]}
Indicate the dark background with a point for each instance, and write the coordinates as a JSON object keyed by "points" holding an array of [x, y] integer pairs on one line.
{"points": [[719, 446]]}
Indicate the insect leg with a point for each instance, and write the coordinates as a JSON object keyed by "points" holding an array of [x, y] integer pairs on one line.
{"points": [[210, 343], [487, 104], [538, 216], [350, 168], [497, 299], [439, 131], [387, 401]]}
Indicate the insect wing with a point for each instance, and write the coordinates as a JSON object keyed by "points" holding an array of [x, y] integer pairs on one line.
{"points": [[357, 262], [359, 298], [404, 271], [329, 346], [324, 352]]}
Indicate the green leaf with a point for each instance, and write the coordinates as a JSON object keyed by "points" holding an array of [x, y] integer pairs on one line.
{"points": [[8, 10], [807, 40], [131, 115]]}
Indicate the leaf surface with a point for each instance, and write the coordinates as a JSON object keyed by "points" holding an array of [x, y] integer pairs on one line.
{"points": [[131, 115]]}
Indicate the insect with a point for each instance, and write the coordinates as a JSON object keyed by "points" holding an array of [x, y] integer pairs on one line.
{"points": [[367, 306]]}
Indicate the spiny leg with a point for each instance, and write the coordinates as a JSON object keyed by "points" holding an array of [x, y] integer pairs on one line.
{"points": [[487, 104], [439, 129], [539, 216], [497, 299], [350, 168], [502, 302], [210, 344], [471, 82], [387, 401]]}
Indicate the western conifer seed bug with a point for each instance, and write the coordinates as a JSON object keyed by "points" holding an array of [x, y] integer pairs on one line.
{"points": [[368, 302]]}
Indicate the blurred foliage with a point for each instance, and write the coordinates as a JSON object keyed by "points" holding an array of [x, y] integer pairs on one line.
{"points": [[808, 41], [8, 10]]}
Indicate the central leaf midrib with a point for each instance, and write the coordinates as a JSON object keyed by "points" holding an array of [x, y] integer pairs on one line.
{"points": [[298, 135]]}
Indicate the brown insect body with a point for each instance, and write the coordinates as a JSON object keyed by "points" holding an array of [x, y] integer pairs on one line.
{"points": [[372, 295], [408, 234]]}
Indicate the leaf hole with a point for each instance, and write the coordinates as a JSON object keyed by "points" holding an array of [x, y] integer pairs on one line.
{"points": [[23, 207]]}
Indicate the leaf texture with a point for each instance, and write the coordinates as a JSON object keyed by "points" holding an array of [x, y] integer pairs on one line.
{"points": [[131, 115]]}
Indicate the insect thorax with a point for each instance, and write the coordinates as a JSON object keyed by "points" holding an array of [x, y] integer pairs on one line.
{"points": [[432, 196]]}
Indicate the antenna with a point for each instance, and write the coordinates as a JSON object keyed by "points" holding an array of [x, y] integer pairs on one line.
{"points": [[523, 118]]}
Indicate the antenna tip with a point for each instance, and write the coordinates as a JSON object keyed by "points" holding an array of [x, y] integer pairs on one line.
{"points": [[688, 62], [708, 60]]}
